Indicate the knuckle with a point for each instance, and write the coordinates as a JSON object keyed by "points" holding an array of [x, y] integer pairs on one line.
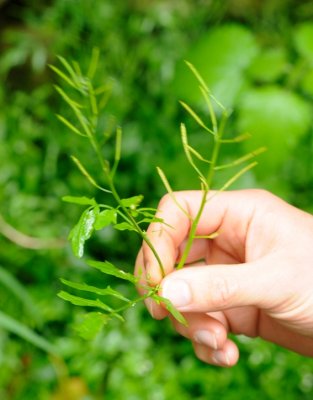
{"points": [[261, 194], [224, 290], [166, 200]]}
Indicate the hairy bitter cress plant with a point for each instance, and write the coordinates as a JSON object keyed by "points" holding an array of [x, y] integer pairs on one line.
{"points": [[128, 213]]}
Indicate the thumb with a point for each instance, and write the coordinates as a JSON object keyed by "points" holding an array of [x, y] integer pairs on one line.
{"points": [[213, 288]]}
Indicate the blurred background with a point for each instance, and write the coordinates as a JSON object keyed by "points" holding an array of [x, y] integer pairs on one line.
{"points": [[257, 58]]}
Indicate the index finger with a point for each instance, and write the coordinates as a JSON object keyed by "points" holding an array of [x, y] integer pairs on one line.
{"points": [[167, 238]]}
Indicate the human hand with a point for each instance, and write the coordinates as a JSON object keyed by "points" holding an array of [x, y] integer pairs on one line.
{"points": [[255, 277]]}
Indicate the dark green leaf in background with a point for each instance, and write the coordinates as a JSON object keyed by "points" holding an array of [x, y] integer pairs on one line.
{"points": [[269, 65], [221, 56], [303, 40], [283, 120], [16, 327]]}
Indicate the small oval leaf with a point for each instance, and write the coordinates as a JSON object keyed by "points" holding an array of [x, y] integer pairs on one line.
{"points": [[105, 218], [82, 231], [83, 200]]}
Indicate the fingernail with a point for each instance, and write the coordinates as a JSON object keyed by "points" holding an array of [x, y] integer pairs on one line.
{"points": [[220, 357], [207, 338], [177, 291]]}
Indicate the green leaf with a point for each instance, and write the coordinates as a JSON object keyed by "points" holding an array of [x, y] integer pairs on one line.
{"points": [[69, 69], [307, 82], [110, 269], [108, 291], [242, 159], [93, 62], [82, 231], [80, 200], [19, 291], [195, 116], [187, 147], [92, 324], [132, 202], [170, 190], [105, 218], [277, 118], [87, 175], [303, 40], [169, 306], [70, 126], [62, 75], [269, 65], [80, 301], [72, 103], [220, 61], [23, 331], [125, 226], [118, 147]]}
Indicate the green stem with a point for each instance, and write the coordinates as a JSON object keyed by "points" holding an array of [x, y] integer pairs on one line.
{"points": [[138, 229], [138, 300], [213, 162], [106, 171], [192, 231]]}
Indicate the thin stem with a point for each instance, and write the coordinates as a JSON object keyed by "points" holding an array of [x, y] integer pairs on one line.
{"points": [[192, 232], [108, 177], [206, 188], [138, 300], [135, 224]]}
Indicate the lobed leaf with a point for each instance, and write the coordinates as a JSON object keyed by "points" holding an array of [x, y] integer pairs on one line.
{"points": [[132, 202], [80, 301], [105, 218], [108, 268], [108, 291], [92, 324]]}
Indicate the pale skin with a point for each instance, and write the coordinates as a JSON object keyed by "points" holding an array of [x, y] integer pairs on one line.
{"points": [[255, 278]]}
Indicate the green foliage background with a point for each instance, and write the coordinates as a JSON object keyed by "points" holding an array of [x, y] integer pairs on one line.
{"points": [[257, 58]]}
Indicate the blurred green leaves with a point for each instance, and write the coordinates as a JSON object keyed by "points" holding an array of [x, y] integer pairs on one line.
{"points": [[222, 55], [276, 118], [144, 43], [303, 40], [266, 84]]}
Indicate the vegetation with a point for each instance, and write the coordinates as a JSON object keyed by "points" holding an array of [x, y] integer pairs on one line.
{"points": [[257, 60]]}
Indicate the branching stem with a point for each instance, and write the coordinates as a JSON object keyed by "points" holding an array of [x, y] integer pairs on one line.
{"points": [[205, 190]]}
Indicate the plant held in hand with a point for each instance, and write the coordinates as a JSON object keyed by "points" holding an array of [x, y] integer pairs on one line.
{"points": [[86, 103]]}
